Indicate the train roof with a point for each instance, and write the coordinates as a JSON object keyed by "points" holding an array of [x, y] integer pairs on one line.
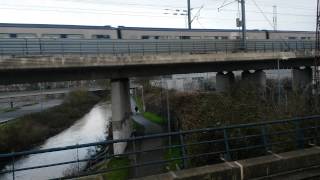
{"points": [[205, 30], [16, 25], [53, 26]]}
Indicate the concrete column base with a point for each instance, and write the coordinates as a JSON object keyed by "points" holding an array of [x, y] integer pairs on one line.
{"points": [[301, 78], [121, 112], [257, 79], [224, 81]]}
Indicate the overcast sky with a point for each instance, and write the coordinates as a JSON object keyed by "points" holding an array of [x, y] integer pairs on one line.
{"points": [[292, 14]]}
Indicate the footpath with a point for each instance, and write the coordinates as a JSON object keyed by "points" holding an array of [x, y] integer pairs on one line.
{"points": [[148, 144]]}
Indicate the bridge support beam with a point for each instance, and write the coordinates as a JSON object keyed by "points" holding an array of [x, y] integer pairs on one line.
{"points": [[256, 79], [301, 78], [121, 111], [224, 81]]}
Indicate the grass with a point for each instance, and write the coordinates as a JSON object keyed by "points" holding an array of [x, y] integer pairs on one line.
{"points": [[121, 174], [173, 153], [8, 110], [154, 118]]}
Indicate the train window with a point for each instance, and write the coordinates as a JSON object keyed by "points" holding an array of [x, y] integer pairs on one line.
{"points": [[100, 36], [303, 38], [224, 37], [145, 37], [309, 38], [2, 35], [156, 37], [26, 35], [292, 38], [185, 37], [63, 36], [13, 35]]}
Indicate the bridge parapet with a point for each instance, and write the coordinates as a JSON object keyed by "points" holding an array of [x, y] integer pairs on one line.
{"points": [[116, 47]]}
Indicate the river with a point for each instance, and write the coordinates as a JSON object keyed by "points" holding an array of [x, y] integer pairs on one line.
{"points": [[91, 128]]}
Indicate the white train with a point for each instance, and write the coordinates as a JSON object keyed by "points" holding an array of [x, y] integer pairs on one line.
{"points": [[106, 32]]}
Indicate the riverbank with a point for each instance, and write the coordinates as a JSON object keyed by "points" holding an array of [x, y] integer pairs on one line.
{"points": [[33, 129]]}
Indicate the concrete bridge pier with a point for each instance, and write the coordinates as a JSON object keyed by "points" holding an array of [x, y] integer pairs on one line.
{"points": [[224, 81], [121, 112], [301, 78], [257, 78]]}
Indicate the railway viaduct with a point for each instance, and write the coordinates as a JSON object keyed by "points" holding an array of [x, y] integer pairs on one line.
{"points": [[39, 66]]}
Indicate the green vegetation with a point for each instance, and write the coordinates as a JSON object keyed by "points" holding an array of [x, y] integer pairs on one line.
{"points": [[154, 118], [139, 103], [114, 163], [8, 109], [241, 105], [173, 153], [138, 128], [31, 130]]}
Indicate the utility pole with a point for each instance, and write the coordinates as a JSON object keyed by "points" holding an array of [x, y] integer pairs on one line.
{"points": [[189, 14], [275, 18], [243, 22], [316, 71]]}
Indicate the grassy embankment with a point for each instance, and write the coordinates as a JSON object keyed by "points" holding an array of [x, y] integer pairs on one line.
{"points": [[153, 117], [114, 163], [31, 130]]}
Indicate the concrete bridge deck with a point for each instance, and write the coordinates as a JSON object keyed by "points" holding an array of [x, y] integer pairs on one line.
{"points": [[27, 68]]}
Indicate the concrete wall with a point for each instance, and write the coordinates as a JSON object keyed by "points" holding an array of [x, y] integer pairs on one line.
{"points": [[301, 163]]}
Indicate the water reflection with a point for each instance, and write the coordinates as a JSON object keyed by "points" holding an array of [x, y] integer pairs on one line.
{"points": [[92, 127]]}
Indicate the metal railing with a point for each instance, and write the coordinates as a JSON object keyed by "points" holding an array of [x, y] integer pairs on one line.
{"points": [[199, 146], [118, 47]]}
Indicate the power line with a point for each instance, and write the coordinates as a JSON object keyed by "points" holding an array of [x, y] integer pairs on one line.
{"points": [[85, 12]]}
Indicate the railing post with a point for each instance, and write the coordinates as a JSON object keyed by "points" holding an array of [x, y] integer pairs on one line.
{"points": [[215, 47], [156, 47], [183, 149], [143, 48], [299, 135], [80, 48], [205, 46], [129, 51], [40, 46], [272, 46], [317, 140], [255, 46], [226, 144], [226, 46], [113, 48], [26, 44], [62, 47], [98, 48], [134, 155], [13, 171], [78, 161], [264, 131]]}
